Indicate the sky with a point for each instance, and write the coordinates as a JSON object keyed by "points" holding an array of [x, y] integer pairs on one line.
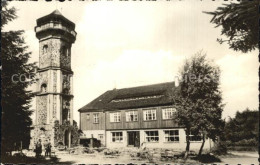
{"points": [[127, 44]]}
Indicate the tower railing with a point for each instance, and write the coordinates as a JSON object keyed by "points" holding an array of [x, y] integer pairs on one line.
{"points": [[54, 26]]}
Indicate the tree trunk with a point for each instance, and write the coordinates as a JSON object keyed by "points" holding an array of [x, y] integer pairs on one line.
{"points": [[188, 144], [202, 145]]}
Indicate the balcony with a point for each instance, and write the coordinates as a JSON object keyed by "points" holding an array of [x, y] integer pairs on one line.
{"points": [[54, 26]]}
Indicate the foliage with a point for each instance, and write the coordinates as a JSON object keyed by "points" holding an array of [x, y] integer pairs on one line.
{"points": [[243, 129], [239, 23], [59, 131], [7, 14], [16, 98], [198, 99], [220, 148], [246, 142]]}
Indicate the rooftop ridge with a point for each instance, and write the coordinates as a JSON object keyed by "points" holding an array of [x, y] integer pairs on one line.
{"points": [[56, 12], [169, 82], [140, 96]]}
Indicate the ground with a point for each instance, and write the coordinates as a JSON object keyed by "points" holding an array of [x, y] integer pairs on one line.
{"points": [[235, 158], [240, 157], [126, 157]]}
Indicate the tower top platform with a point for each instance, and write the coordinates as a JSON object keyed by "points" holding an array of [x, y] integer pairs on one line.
{"points": [[55, 24], [53, 17]]}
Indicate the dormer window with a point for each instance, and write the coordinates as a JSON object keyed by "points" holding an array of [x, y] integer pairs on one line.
{"points": [[43, 88], [45, 49]]}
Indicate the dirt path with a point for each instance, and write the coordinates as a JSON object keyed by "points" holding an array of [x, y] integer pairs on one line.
{"points": [[95, 159], [235, 158], [241, 158]]}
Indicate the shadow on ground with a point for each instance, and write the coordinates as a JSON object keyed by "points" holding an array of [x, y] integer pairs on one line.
{"points": [[207, 158], [32, 160]]}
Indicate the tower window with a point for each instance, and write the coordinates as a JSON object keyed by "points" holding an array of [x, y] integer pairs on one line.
{"points": [[68, 52], [45, 49], [64, 51], [65, 114], [44, 88]]}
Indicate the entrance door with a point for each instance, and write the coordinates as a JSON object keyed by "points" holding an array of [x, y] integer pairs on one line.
{"points": [[133, 138], [66, 138]]}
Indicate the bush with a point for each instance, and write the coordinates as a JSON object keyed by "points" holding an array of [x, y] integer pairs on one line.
{"points": [[243, 148], [245, 142], [220, 148]]}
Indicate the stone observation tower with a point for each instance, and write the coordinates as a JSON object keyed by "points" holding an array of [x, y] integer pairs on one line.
{"points": [[54, 97]]}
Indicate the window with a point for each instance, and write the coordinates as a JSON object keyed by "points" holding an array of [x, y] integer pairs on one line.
{"points": [[64, 51], [96, 118], [150, 114], [88, 116], [56, 24], [171, 135], [100, 137], [115, 117], [131, 116], [151, 136], [44, 88], [65, 114], [117, 136], [45, 49], [195, 138], [168, 113]]}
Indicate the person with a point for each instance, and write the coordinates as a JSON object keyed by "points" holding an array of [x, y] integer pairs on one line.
{"points": [[45, 147], [48, 149], [38, 148]]}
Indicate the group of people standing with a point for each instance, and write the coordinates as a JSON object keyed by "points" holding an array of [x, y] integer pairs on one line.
{"points": [[38, 148]]}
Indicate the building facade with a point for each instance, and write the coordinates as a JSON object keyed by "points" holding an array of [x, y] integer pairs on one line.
{"points": [[139, 116], [54, 94]]}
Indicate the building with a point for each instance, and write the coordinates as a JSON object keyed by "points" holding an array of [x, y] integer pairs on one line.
{"points": [[138, 116], [54, 95]]}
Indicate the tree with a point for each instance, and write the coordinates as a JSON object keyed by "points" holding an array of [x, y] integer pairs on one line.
{"points": [[198, 100], [242, 130], [239, 23], [17, 75]]}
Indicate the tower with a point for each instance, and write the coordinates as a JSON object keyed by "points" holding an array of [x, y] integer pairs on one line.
{"points": [[54, 94]]}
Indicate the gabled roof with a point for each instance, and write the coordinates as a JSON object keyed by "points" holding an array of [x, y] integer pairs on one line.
{"points": [[135, 97], [55, 14]]}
